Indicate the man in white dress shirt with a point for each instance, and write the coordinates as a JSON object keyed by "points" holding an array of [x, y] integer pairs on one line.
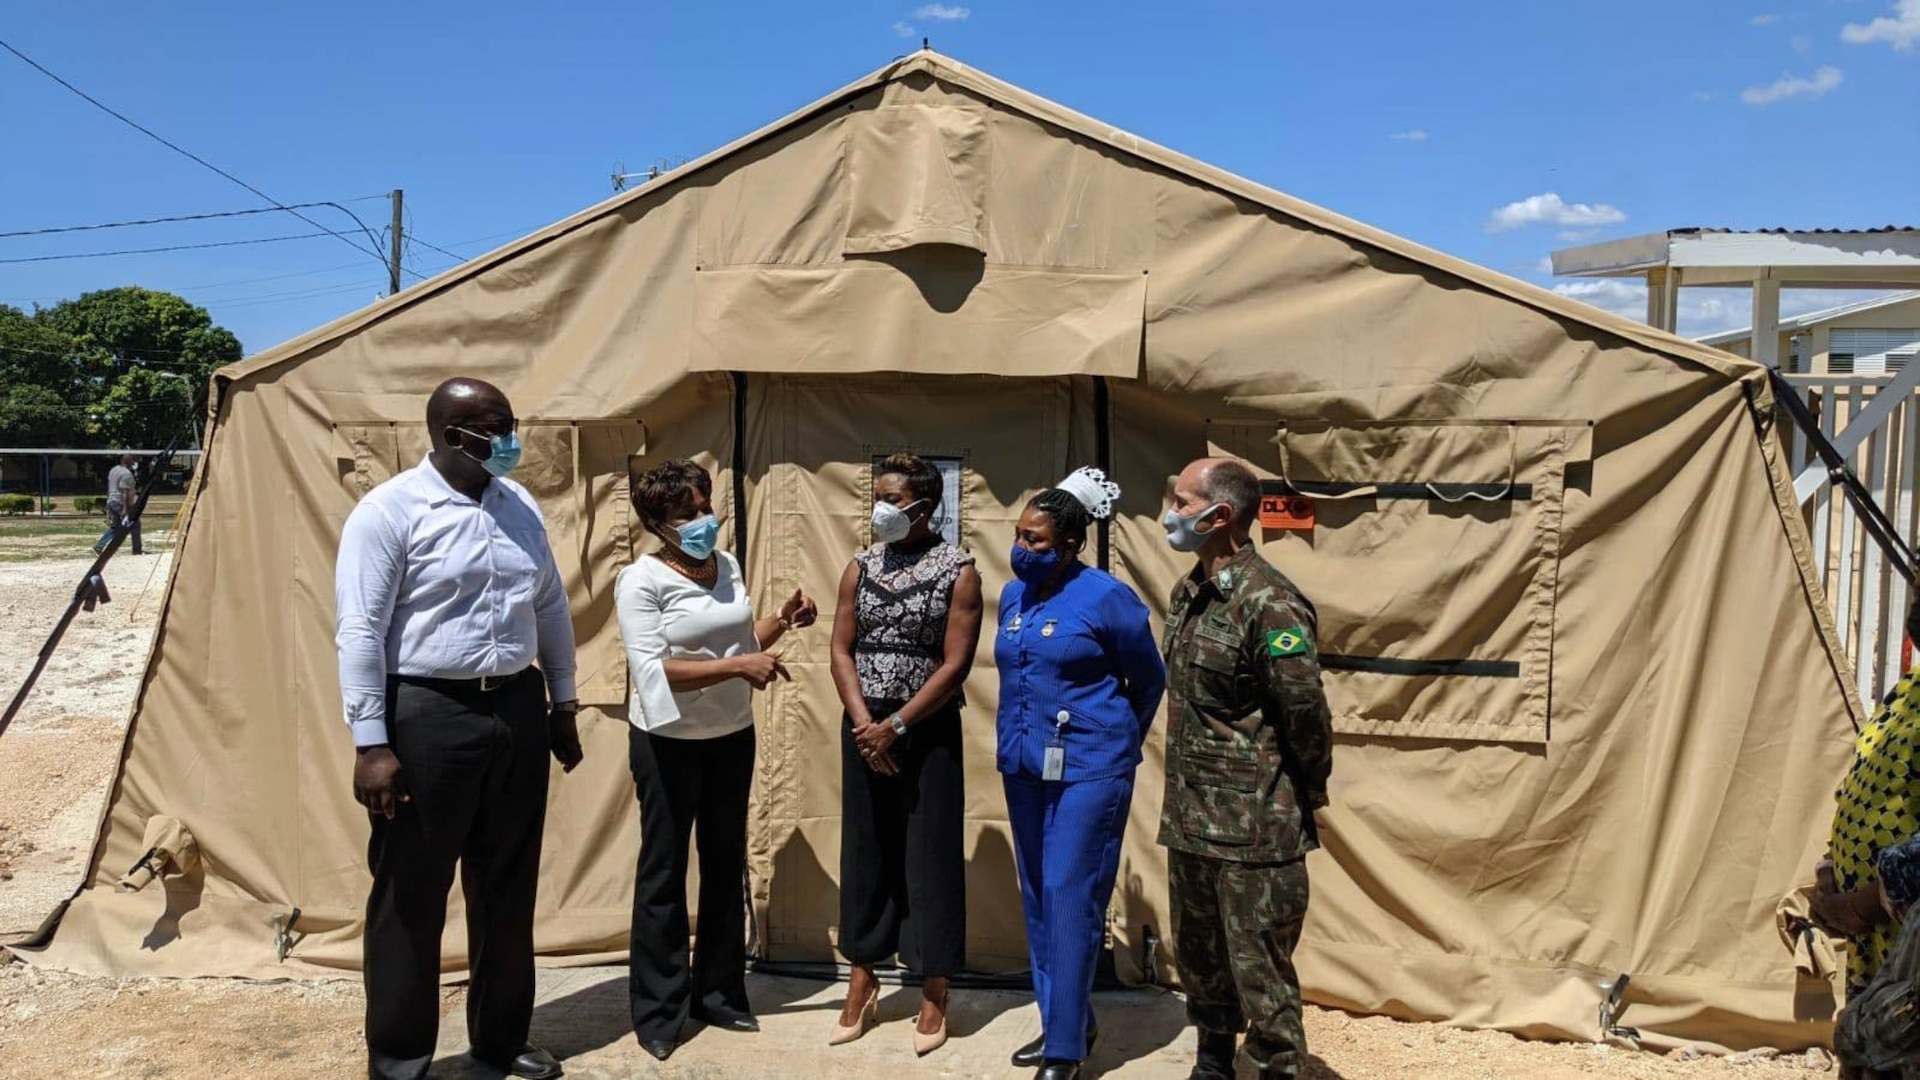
{"points": [[447, 593]]}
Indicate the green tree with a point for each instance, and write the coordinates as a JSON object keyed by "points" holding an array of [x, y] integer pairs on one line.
{"points": [[146, 408], [45, 384], [150, 353]]}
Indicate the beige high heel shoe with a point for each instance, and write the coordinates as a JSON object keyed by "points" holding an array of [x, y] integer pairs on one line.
{"points": [[924, 1043], [869, 1015]]}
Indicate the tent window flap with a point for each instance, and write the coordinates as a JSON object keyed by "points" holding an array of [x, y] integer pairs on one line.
{"points": [[916, 174], [1433, 561]]}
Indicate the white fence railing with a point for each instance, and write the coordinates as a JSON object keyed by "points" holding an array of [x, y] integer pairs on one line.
{"points": [[1869, 598]]}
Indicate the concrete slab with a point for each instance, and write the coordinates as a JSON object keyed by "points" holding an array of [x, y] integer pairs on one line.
{"points": [[580, 1015]]}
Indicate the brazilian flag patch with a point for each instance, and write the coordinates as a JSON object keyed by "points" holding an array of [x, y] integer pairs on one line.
{"points": [[1290, 642]]}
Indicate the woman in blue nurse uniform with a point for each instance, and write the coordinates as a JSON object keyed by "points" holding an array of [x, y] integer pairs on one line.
{"points": [[1080, 678]]}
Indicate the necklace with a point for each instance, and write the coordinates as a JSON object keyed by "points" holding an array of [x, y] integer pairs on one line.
{"points": [[705, 573]]}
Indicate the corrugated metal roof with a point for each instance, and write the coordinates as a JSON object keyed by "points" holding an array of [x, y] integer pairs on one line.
{"points": [[1807, 319], [1781, 230]]}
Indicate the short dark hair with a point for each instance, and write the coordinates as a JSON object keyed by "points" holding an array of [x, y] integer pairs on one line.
{"points": [[1069, 515], [661, 489], [922, 478], [1232, 483]]}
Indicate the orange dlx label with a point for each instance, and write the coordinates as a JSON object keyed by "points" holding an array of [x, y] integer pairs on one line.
{"points": [[1286, 512]]}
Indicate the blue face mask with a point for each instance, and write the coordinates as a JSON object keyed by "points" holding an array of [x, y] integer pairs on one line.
{"points": [[698, 536], [1034, 567], [504, 451]]}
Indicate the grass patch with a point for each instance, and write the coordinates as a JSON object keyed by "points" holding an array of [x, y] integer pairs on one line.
{"points": [[69, 535]]}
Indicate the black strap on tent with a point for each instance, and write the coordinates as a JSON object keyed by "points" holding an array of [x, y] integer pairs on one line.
{"points": [[1444, 492], [1875, 520], [740, 469], [92, 588], [1387, 665], [1103, 459]]}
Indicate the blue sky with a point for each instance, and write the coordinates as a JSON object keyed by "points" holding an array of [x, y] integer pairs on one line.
{"points": [[1582, 121]]}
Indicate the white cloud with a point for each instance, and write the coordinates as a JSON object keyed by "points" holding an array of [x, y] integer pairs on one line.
{"points": [[1619, 297], [1544, 266], [1702, 311], [1765, 19], [1704, 95], [904, 30], [1550, 209], [1416, 135], [1793, 86], [1900, 30], [1801, 43], [942, 12]]}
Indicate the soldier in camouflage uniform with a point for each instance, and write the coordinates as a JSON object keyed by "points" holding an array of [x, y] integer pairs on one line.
{"points": [[1249, 751]]}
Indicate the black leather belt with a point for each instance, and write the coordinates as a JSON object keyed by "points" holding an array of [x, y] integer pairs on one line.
{"points": [[486, 684]]}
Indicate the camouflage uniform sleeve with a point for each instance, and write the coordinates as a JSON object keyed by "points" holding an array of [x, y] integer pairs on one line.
{"points": [[1288, 644]]}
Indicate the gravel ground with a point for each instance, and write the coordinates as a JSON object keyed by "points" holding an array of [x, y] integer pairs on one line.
{"points": [[56, 763]]}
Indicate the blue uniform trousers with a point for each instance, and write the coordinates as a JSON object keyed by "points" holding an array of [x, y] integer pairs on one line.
{"points": [[1066, 840]]}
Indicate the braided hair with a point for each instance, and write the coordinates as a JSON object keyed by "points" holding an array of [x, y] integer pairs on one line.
{"points": [[1069, 515]]}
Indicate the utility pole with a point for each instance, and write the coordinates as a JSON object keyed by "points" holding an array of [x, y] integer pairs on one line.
{"points": [[393, 262]]}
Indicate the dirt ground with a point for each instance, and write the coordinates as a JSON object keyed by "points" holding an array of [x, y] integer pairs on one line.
{"points": [[56, 763]]}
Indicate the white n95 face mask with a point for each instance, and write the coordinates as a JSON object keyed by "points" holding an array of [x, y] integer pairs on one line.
{"points": [[891, 523]]}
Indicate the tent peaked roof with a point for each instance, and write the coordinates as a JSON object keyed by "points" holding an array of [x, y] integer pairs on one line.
{"points": [[951, 71]]}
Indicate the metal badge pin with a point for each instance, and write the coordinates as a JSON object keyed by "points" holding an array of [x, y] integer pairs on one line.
{"points": [[1014, 626], [1047, 630]]}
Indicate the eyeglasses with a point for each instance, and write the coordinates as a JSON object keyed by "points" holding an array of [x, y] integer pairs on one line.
{"points": [[484, 434]]}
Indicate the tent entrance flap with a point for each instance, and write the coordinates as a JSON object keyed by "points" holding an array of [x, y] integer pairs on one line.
{"points": [[814, 443], [937, 311], [1434, 556]]}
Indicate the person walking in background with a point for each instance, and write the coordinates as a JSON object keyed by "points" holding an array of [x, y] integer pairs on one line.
{"points": [[1080, 678], [695, 654], [1249, 753], [904, 635], [446, 591], [122, 487]]}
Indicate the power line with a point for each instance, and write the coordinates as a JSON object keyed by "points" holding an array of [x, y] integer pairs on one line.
{"points": [[103, 107], [172, 247], [435, 247], [270, 277], [252, 301], [162, 220]]}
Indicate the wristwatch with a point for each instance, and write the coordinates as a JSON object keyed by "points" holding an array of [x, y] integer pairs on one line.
{"points": [[571, 705], [898, 725]]}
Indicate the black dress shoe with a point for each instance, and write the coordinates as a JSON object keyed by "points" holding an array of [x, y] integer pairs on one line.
{"points": [[1214, 1061], [1059, 1070], [661, 1049], [531, 1062], [727, 1021], [1034, 1053]]}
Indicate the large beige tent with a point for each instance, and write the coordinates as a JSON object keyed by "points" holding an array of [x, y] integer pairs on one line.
{"points": [[1591, 709]]}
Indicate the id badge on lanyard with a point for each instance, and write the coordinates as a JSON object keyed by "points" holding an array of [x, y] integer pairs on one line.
{"points": [[1054, 764]]}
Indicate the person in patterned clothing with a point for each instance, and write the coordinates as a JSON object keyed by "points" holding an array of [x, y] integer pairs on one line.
{"points": [[1249, 754], [1876, 806], [904, 635]]}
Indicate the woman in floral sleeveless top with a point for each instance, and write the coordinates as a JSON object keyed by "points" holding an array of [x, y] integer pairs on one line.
{"points": [[904, 635]]}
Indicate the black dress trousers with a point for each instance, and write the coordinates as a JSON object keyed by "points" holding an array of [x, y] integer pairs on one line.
{"points": [[682, 783], [903, 866], [475, 764]]}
